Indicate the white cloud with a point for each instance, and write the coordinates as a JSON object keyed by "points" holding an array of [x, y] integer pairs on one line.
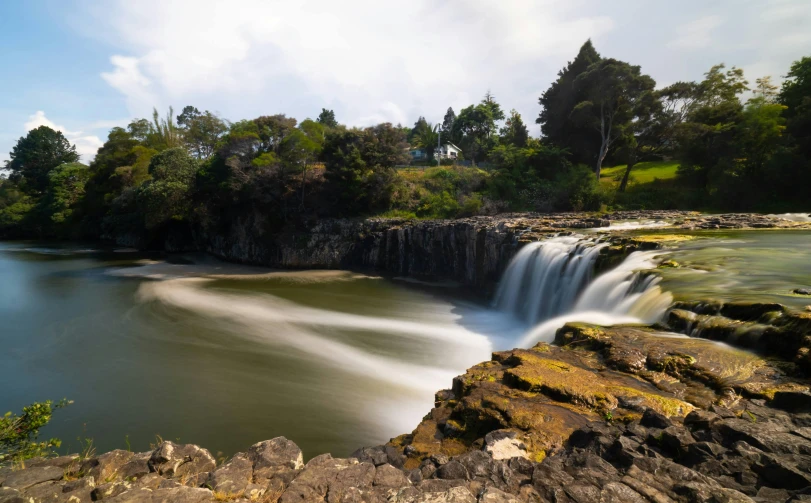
{"points": [[696, 34], [369, 60], [86, 145]]}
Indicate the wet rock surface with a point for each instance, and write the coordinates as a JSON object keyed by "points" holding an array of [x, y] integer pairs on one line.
{"points": [[770, 329]]}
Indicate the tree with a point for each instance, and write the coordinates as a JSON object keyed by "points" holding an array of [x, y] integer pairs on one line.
{"points": [[272, 130], [557, 104], [65, 190], [419, 126], [613, 93], [304, 147], [188, 115], [424, 136], [168, 195], [327, 118], [201, 131], [659, 117], [36, 154], [707, 139], [359, 166], [164, 134], [515, 131], [140, 130], [795, 95], [494, 112], [447, 122], [475, 126]]}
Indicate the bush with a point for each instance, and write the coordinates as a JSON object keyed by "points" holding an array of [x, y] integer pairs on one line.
{"points": [[441, 205], [19, 434]]}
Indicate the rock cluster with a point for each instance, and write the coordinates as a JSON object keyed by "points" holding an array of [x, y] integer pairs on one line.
{"points": [[738, 221], [767, 327]]}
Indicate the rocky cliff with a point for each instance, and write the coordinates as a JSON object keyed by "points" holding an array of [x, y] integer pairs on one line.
{"points": [[470, 251]]}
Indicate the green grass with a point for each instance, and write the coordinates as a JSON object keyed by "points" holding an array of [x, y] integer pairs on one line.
{"points": [[644, 172]]}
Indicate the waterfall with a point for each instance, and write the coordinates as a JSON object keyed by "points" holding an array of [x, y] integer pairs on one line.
{"points": [[550, 283], [544, 278]]}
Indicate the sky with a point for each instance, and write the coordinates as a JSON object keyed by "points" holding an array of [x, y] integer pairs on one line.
{"points": [[84, 66]]}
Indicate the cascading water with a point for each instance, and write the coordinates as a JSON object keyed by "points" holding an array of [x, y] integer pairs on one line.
{"points": [[543, 280], [549, 283]]}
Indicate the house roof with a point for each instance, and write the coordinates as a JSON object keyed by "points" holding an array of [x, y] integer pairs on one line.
{"points": [[454, 146]]}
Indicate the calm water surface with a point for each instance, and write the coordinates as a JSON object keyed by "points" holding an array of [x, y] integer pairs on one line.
{"points": [[223, 355]]}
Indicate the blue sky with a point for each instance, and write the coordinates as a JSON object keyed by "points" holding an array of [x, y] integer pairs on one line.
{"points": [[83, 66]]}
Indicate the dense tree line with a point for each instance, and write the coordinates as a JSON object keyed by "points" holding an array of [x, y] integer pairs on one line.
{"points": [[739, 146]]}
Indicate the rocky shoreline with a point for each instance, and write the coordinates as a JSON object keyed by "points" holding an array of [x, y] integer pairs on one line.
{"points": [[620, 414]]}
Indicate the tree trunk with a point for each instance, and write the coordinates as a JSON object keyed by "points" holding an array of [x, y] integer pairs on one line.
{"points": [[303, 183], [604, 137], [627, 175]]}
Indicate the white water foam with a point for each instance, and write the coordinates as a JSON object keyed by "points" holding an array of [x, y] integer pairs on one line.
{"points": [[794, 217], [548, 284]]}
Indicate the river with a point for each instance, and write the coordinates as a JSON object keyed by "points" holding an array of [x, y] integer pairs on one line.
{"points": [[221, 355]]}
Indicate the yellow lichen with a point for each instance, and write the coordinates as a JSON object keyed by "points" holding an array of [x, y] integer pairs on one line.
{"points": [[663, 238]]}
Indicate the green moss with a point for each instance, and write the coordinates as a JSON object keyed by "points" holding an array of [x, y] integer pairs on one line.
{"points": [[663, 238]]}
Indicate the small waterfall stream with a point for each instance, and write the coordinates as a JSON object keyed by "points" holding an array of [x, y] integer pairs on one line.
{"points": [[550, 283]]}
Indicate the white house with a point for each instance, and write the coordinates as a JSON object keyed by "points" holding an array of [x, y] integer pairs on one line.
{"points": [[449, 151]]}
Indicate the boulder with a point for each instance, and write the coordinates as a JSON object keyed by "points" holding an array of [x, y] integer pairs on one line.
{"points": [[504, 444], [273, 457], [23, 479], [105, 467], [175, 460], [232, 477], [389, 476]]}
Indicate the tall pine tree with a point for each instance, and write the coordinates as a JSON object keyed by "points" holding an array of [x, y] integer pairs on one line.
{"points": [[559, 101]]}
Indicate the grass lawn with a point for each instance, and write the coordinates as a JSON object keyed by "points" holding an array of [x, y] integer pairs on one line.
{"points": [[644, 172]]}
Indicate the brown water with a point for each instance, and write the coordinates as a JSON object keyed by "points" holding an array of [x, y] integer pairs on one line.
{"points": [[223, 355]]}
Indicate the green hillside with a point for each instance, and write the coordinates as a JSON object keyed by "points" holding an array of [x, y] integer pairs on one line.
{"points": [[644, 172]]}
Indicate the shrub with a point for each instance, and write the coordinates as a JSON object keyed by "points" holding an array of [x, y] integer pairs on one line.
{"points": [[19, 434]]}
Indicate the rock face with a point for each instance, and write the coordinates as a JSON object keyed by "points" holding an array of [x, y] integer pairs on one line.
{"points": [[537, 397], [470, 251], [768, 328]]}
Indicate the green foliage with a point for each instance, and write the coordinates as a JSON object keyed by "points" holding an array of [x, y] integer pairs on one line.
{"points": [[515, 131], [613, 94], [15, 207], [557, 104], [65, 191], [201, 131], [359, 167], [19, 434], [36, 154], [164, 133], [168, 195], [327, 119], [474, 130]]}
